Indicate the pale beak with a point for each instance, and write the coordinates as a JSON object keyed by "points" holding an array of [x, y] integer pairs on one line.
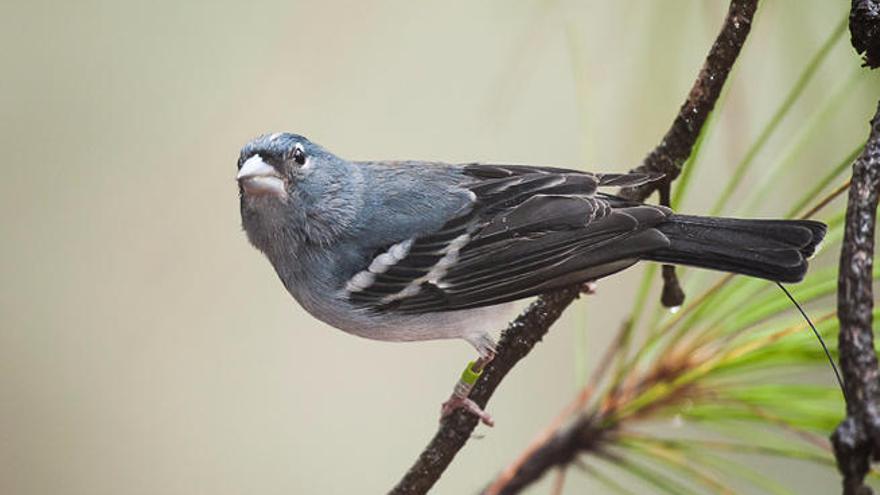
{"points": [[259, 178]]}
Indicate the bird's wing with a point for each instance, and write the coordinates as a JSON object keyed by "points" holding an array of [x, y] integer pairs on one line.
{"points": [[530, 230]]}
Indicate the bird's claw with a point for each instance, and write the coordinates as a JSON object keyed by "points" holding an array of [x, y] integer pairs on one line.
{"points": [[456, 402]]}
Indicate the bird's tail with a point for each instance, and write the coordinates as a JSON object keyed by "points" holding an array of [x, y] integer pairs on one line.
{"points": [[771, 249]]}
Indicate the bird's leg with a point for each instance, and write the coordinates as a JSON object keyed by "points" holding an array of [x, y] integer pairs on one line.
{"points": [[459, 398]]}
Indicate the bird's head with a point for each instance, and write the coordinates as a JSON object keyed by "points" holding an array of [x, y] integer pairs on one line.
{"points": [[290, 187], [270, 166]]}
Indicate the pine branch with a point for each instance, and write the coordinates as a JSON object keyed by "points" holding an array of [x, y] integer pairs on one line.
{"points": [[530, 327], [857, 439]]}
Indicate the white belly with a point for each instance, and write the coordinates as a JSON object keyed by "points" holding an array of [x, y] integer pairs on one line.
{"points": [[473, 325]]}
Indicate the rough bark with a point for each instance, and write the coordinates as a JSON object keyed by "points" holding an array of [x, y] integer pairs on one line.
{"points": [[864, 27], [857, 439]]}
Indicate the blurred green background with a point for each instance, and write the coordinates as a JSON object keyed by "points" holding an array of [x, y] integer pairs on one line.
{"points": [[146, 348]]}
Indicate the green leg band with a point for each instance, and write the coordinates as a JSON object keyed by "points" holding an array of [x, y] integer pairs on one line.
{"points": [[469, 376]]}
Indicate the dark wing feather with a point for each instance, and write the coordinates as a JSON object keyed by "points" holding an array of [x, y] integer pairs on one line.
{"points": [[530, 230], [631, 179]]}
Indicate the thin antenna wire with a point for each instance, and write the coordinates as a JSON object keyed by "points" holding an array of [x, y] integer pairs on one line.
{"points": [[818, 336]]}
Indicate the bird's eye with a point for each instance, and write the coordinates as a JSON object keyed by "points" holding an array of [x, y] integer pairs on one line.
{"points": [[299, 155]]}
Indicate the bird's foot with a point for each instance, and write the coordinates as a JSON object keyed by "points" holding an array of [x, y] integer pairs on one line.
{"points": [[459, 398], [454, 402]]}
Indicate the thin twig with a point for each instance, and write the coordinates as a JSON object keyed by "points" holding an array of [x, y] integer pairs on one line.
{"points": [[675, 147], [672, 295], [667, 157], [678, 143], [834, 194]]}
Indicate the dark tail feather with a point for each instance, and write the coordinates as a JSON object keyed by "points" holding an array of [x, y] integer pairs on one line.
{"points": [[770, 249]]}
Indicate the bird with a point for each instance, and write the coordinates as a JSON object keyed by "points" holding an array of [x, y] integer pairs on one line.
{"points": [[423, 250]]}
